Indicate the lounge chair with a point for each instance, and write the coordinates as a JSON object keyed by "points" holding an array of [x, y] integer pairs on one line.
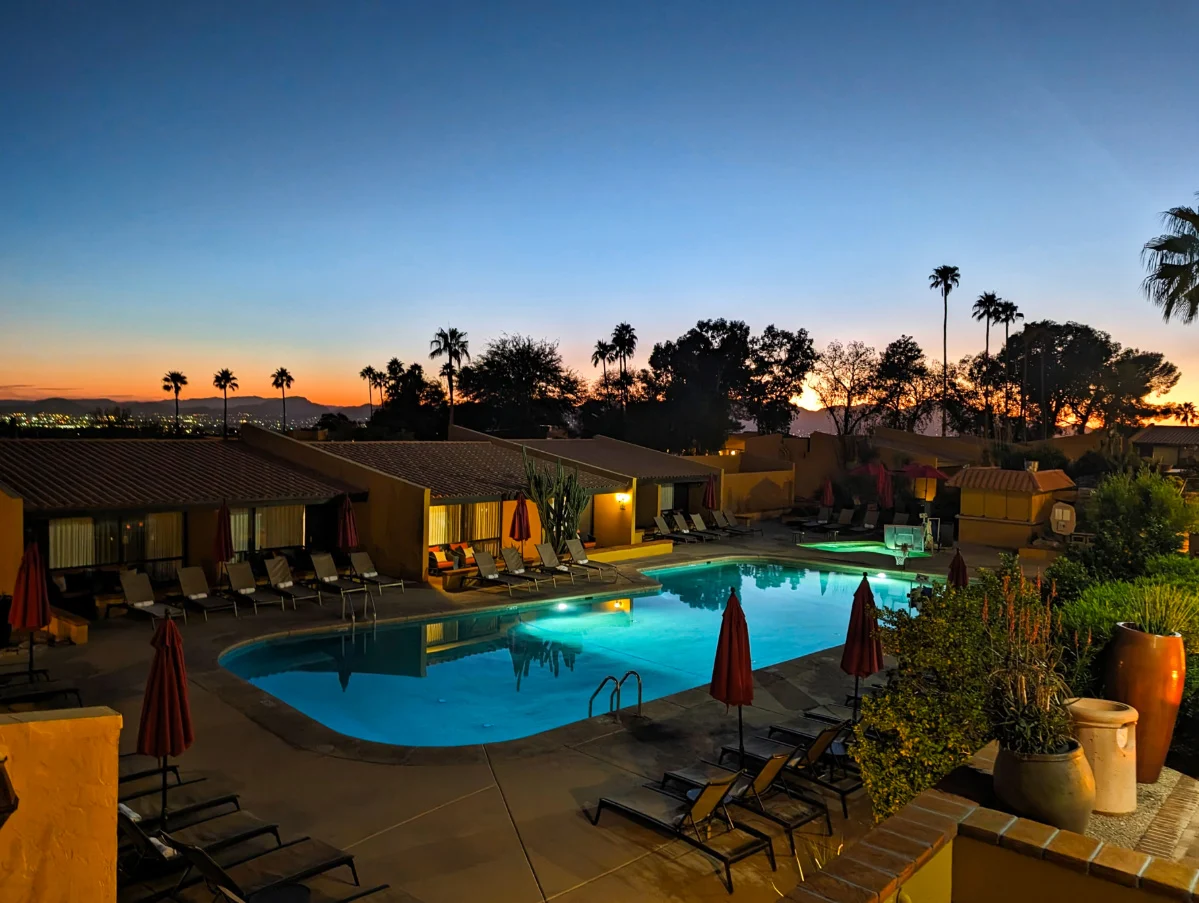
{"points": [[39, 691], [278, 572], [702, 527], [693, 820], [823, 516], [681, 526], [868, 525], [551, 564], [815, 760], [276, 875], [243, 582], [664, 532], [514, 565], [578, 557], [489, 574], [731, 522], [194, 587], [132, 766], [900, 519], [364, 571], [139, 596], [328, 580], [186, 799], [145, 855], [843, 521], [722, 523], [765, 793]]}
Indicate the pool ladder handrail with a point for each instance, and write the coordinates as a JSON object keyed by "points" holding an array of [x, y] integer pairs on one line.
{"points": [[614, 704], [620, 684], [603, 683]]}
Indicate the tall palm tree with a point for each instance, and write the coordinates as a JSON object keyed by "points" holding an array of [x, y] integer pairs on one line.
{"points": [[986, 307], [174, 381], [281, 379], [624, 343], [379, 381], [944, 279], [453, 346], [369, 373], [1173, 259], [1186, 413], [224, 380], [603, 355], [1007, 314]]}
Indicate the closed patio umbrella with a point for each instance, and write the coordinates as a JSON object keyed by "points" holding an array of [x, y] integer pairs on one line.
{"points": [[882, 482], [30, 600], [710, 493], [520, 530], [922, 472], [732, 673], [222, 540], [165, 728], [958, 577], [826, 494], [347, 525], [863, 653]]}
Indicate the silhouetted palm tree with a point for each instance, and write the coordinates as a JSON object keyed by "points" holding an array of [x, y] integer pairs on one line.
{"points": [[174, 381], [379, 381], [1186, 413], [1007, 314], [624, 343], [944, 279], [453, 345], [369, 373], [603, 355], [1173, 259], [224, 380], [985, 309], [281, 379]]}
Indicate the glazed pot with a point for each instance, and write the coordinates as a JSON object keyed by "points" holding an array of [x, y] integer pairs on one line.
{"points": [[1056, 789], [1147, 671]]}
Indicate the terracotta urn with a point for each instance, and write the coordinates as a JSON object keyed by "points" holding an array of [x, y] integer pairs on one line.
{"points": [[1148, 671], [1055, 789]]}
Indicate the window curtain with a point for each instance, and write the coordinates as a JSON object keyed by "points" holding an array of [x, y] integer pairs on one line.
{"points": [[445, 524], [164, 535], [107, 533], [239, 527], [487, 520], [72, 543], [279, 527], [667, 496]]}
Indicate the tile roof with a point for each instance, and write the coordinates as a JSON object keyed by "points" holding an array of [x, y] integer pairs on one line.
{"points": [[1000, 480], [454, 470], [126, 474], [645, 464], [945, 449], [1167, 435]]}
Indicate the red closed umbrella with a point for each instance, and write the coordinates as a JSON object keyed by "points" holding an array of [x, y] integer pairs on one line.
{"points": [[30, 599], [520, 530], [165, 728], [732, 673], [826, 494], [882, 481], [222, 540], [863, 652], [923, 472], [710, 493], [347, 525], [958, 577]]}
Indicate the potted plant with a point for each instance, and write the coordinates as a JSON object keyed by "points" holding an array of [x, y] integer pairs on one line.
{"points": [[1040, 771], [1146, 668]]}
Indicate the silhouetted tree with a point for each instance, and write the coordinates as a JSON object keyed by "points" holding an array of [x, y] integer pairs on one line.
{"points": [[944, 279], [174, 381], [1173, 261], [454, 347], [224, 380], [281, 379]]}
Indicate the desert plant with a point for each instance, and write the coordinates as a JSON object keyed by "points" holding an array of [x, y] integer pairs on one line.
{"points": [[1163, 609], [1135, 517], [1068, 578], [560, 499], [1178, 570]]}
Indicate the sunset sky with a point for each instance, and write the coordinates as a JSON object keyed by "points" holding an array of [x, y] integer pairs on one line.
{"points": [[320, 186]]}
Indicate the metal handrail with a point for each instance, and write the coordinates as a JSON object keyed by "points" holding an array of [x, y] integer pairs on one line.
{"points": [[620, 683], [603, 683]]}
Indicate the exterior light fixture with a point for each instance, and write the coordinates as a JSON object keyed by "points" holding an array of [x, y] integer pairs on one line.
{"points": [[8, 794], [622, 499]]}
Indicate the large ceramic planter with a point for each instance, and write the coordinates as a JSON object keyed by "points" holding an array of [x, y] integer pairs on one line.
{"points": [[1147, 671], [1056, 788]]}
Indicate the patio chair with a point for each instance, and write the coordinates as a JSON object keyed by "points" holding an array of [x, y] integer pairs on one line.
{"points": [[868, 525], [578, 556], [199, 795], [813, 759], [514, 565], [731, 520], [692, 821], [278, 572], [243, 582], [681, 526], [823, 516], [702, 527], [194, 587], [276, 875], [328, 580], [551, 564], [764, 793], [489, 574], [844, 520], [722, 523], [364, 570], [664, 532], [139, 597], [145, 855], [132, 766], [39, 691]]}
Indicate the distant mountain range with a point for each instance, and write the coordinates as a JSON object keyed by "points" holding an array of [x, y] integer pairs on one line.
{"points": [[255, 407]]}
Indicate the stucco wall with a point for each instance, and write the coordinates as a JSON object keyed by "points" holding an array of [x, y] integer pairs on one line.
{"points": [[12, 538], [647, 502], [201, 531], [752, 483], [989, 873], [814, 457], [60, 846], [614, 522]]}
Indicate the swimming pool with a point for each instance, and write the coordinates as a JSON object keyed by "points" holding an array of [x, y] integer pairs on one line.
{"points": [[504, 675]]}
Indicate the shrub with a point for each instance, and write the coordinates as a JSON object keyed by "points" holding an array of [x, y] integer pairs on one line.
{"points": [[1135, 518], [1177, 570], [1068, 577]]}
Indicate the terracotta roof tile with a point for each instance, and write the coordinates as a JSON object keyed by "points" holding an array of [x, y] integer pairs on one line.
{"points": [[1167, 435], [999, 480], [462, 470], [637, 461], [121, 474]]}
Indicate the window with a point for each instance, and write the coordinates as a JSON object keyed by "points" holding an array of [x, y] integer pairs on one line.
{"points": [[72, 543], [278, 527], [239, 527], [153, 542], [445, 524], [667, 496], [475, 522]]}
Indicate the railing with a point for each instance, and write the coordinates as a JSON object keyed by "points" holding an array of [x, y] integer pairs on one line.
{"points": [[614, 704], [603, 683], [620, 684]]}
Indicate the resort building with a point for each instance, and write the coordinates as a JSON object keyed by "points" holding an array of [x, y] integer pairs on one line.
{"points": [[1006, 508], [1173, 446]]}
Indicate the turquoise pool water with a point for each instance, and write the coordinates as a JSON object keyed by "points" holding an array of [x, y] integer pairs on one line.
{"points": [[500, 676]]}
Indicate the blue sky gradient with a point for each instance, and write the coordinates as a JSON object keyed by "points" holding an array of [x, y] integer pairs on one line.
{"points": [[322, 185]]}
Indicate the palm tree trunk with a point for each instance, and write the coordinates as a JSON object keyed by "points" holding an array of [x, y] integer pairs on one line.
{"points": [[176, 410], [284, 393], [225, 427], [989, 421], [370, 401], [450, 379], [1007, 386], [944, 357]]}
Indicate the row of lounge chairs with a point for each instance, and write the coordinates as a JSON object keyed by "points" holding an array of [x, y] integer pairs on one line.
{"points": [[697, 530], [209, 839], [529, 576], [242, 588], [843, 522]]}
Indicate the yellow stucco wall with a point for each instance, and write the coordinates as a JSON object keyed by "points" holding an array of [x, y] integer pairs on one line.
{"points": [[12, 538], [393, 524], [1002, 519], [614, 521], [60, 846], [752, 483], [507, 511], [647, 502], [987, 873], [933, 883]]}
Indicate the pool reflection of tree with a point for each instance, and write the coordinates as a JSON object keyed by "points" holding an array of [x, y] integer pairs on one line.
{"points": [[548, 654]]}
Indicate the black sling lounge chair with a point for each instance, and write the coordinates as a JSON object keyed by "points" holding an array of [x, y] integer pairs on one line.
{"points": [[278, 571], [515, 566], [328, 580], [664, 532], [732, 524], [145, 856], [551, 564], [243, 582], [693, 821], [701, 526], [489, 574], [681, 526], [143, 802], [193, 586], [578, 557], [364, 571], [41, 691], [723, 523]]}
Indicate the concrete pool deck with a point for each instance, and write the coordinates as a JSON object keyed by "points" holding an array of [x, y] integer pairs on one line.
{"points": [[500, 822]]}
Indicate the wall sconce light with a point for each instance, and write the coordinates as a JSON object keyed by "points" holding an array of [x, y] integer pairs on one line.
{"points": [[8, 795], [622, 499]]}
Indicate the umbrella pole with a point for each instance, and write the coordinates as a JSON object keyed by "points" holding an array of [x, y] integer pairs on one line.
{"points": [[740, 737], [856, 698], [31, 638], [163, 815]]}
